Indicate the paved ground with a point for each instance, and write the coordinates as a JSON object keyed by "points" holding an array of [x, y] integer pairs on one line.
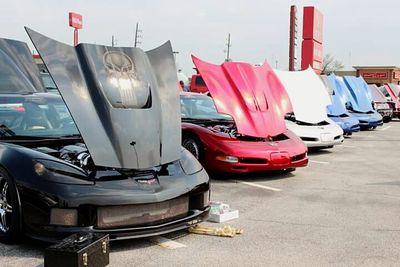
{"points": [[342, 210]]}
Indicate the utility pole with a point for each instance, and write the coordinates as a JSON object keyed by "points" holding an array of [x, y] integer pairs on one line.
{"points": [[137, 36], [228, 46], [113, 41]]}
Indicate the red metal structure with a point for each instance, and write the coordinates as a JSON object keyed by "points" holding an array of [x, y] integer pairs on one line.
{"points": [[75, 21], [312, 48]]}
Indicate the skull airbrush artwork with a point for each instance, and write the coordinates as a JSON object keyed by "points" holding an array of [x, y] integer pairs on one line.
{"points": [[129, 91]]}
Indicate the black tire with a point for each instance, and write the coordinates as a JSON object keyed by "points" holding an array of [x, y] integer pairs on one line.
{"points": [[10, 222], [193, 144], [289, 170]]}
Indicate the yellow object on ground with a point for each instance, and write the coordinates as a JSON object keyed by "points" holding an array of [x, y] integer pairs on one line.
{"points": [[226, 231]]}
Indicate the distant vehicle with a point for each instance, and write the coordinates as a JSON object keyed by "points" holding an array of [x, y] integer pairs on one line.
{"points": [[381, 104], [197, 84], [391, 92], [48, 82], [309, 118], [358, 103], [337, 110], [249, 134]]}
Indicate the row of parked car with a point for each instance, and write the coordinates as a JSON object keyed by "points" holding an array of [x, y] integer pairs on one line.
{"points": [[111, 146], [259, 118]]}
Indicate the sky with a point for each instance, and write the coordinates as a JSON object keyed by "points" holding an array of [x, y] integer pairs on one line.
{"points": [[356, 32]]}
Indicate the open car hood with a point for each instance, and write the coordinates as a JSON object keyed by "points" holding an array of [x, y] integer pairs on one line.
{"points": [[361, 96], [253, 96], [377, 95], [338, 96], [124, 101], [392, 93], [307, 94], [18, 72]]}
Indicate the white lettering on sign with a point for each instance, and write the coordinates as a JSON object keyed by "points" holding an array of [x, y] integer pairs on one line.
{"points": [[76, 20]]}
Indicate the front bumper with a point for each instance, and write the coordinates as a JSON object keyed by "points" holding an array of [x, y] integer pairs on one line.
{"points": [[243, 167], [53, 233], [121, 208], [255, 156], [386, 113], [317, 142]]}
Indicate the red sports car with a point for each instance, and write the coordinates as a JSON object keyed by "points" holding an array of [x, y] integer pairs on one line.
{"points": [[253, 137]]}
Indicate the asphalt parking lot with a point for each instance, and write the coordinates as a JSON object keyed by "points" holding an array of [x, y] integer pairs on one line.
{"points": [[341, 210]]}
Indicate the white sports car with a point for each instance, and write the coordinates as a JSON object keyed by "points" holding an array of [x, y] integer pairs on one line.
{"points": [[309, 99]]}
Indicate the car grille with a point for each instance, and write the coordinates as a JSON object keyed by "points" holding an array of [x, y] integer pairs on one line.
{"points": [[133, 215], [253, 160], [309, 139]]}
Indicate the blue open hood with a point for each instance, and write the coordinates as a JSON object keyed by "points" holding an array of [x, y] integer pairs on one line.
{"points": [[361, 96], [339, 97]]}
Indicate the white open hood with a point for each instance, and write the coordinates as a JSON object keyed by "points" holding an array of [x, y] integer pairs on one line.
{"points": [[307, 93]]}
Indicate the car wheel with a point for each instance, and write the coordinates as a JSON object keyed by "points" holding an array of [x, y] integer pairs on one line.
{"points": [[194, 146], [374, 127], [10, 230]]}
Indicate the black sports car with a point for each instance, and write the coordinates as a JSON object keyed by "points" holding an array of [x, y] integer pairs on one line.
{"points": [[115, 166]]}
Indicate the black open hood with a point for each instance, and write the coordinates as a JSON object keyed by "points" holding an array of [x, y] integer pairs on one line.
{"points": [[18, 72], [124, 101]]}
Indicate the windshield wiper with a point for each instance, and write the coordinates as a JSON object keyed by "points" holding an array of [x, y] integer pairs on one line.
{"points": [[211, 120], [5, 131], [70, 136]]}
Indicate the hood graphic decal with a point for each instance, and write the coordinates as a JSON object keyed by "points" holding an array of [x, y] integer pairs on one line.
{"points": [[307, 94], [18, 72], [123, 100], [253, 96]]}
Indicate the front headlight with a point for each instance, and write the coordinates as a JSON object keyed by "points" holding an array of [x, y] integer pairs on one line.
{"points": [[59, 172], [189, 163]]}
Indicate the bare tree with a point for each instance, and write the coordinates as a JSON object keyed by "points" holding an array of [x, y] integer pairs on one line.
{"points": [[331, 65]]}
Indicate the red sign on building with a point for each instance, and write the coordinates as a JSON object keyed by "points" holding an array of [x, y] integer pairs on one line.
{"points": [[312, 49], [374, 75], [75, 20]]}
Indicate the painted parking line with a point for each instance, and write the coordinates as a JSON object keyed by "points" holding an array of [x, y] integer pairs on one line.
{"points": [[318, 162], [258, 186], [385, 128], [165, 242], [347, 146]]}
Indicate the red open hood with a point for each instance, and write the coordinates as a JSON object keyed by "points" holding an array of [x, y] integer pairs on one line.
{"points": [[253, 96]]}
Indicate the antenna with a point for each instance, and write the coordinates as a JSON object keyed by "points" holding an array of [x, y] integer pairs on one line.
{"points": [[137, 36]]}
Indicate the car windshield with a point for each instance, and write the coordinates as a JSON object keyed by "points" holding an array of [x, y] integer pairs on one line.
{"points": [[38, 115], [200, 107]]}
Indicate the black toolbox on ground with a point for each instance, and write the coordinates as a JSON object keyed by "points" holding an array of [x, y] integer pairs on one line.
{"points": [[79, 250]]}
